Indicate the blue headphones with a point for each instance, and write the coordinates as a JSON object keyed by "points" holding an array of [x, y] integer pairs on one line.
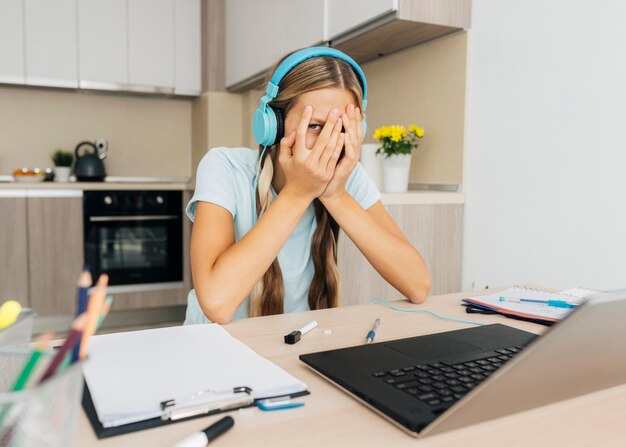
{"points": [[268, 121]]}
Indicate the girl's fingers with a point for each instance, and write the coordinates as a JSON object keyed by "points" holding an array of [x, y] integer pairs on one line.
{"points": [[286, 145], [334, 156], [325, 134], [303, 126], [350, 154], [330, 146]]}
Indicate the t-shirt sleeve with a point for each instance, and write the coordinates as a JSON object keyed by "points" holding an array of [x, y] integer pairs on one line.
{"points": [[362, 187], [214, 183]]}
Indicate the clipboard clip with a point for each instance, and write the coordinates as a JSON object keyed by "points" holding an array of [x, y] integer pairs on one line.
{"points": [[232, 398]]}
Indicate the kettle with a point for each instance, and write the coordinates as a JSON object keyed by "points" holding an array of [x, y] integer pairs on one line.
{"points": [[89, 167]]}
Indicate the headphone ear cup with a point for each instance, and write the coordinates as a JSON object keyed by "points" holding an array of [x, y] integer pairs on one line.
{"points": [[280, 124], [264, 126]]}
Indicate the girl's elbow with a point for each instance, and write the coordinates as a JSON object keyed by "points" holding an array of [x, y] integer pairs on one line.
{"points": [[419, 291], [213, 309]]}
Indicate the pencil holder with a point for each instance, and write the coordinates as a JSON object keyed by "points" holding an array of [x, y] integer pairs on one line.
{"points": [[43, 415]]}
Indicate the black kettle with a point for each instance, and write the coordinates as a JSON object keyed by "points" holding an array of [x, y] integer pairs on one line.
{"points": [[88, 167]]}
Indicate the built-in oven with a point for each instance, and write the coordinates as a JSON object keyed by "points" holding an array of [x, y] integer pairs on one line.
{"points": [[135, 237]]}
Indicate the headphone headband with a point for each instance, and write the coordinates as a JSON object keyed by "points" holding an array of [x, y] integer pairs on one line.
{"points": [[307, 53]]}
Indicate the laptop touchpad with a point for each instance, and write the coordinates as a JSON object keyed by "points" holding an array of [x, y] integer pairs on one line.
{"points": [[433, 347]]}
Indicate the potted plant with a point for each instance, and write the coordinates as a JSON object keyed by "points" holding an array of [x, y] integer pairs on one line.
{"points": [[397, 144], [62, 165]]}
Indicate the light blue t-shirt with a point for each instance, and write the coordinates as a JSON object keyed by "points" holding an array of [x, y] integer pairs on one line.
{"points": [[225, 177]]}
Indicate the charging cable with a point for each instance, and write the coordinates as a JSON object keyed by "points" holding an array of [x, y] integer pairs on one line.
{"points": [[458, 320]]}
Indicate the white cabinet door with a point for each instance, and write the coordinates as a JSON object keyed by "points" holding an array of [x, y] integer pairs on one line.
{"points": [[259, 33], [151, 43], [102, 42], [11, 41], [346, 15], [187, 53], [51, 42]]}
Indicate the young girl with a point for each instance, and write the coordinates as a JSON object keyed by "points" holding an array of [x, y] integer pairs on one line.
{"points": [[264, 238]]}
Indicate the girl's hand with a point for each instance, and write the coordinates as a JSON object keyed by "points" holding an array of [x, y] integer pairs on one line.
{"points": [[308, 170], [353, 126]]}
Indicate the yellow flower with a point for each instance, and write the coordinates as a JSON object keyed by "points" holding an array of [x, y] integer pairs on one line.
{"points": [[418, 131]]}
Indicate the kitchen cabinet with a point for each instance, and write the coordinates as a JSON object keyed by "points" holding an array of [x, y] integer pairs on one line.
{"points": [[259, 33], [51, 44], [13, 240], [187, 48], [151, 43], [434, 229], [102, 42], [364, 29], [11, 41], [55, 249], [343, 16]]}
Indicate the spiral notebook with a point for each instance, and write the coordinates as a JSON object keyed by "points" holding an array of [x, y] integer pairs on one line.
{"points": [[532, 304]]}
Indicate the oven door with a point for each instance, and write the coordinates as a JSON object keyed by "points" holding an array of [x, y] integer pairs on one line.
{"points": [[135, 249]]}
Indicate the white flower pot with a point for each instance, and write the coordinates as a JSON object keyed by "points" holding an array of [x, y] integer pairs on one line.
{"points": [[396, 173], [62, 174], [372, 163]]}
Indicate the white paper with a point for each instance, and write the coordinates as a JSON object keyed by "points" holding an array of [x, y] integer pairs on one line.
{"points": [[129, 374]]}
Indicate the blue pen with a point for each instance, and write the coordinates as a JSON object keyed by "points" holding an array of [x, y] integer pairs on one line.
{"points": [[551, 303], [371, 334]]}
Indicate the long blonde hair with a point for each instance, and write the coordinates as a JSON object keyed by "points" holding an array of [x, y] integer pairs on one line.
{"points": [[267, 297]]}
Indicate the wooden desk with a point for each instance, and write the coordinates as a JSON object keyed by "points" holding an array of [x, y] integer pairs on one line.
{"points": [[330, 417]]}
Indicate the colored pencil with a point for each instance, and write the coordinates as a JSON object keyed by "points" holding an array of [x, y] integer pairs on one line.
{"points": [[29, 367], [82, 299], [94, 309], [78, 326]]}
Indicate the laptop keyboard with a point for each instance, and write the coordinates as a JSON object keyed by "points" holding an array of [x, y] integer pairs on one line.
{"points": [[441, 384]]}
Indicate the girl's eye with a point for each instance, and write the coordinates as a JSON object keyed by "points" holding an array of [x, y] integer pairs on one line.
{"points": [[315, 127]]}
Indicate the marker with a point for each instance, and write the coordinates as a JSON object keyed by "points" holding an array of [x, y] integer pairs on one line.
{"points": [[294, 337], [371, 334], [201, 439], [551, 303]]}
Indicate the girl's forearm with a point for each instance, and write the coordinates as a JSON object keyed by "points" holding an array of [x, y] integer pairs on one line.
{"points": [[239, 268], [397, 261]]}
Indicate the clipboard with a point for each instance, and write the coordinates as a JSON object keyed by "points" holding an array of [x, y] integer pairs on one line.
{"points": [[102, 432], [133, 379]]}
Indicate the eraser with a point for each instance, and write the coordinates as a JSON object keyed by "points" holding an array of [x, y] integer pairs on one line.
{"points": [[293, 338]]}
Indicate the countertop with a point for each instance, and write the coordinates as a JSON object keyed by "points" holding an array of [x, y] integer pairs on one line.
{"points": [[17, 189]]}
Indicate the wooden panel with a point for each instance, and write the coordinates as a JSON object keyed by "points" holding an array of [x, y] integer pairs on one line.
{"points": [[55, 248], [456, 13], [435, 230], [13, 242], [390, 38]]}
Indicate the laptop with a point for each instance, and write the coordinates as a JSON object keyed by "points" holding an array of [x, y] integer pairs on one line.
{"points": [[434, 383]]}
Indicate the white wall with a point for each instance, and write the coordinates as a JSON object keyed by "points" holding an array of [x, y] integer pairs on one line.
{"points": [[546, 153]]}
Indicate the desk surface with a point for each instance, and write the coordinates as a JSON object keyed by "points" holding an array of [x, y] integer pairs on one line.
{"points": [[331, 417]]}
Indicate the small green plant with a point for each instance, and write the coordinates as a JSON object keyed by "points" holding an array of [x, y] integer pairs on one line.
{"points": [[62, 158]]}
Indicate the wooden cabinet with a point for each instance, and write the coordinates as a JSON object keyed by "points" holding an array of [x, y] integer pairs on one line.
{"points": [[51, 44], [13, 240], [151, 42], [12, 41], [102, 41], [435, 230], [259, 33], [55, 250]]}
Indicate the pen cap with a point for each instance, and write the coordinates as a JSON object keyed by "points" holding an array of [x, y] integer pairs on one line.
{"points": [[292, 338], [219, 427]]}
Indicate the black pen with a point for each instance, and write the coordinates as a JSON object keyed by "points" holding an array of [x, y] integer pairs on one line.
{"points": [[202, 438]]}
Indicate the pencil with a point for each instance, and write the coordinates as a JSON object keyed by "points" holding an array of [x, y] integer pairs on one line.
{"points": [[94, 309], [78, 326], [29, 367], [82, 298]]}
